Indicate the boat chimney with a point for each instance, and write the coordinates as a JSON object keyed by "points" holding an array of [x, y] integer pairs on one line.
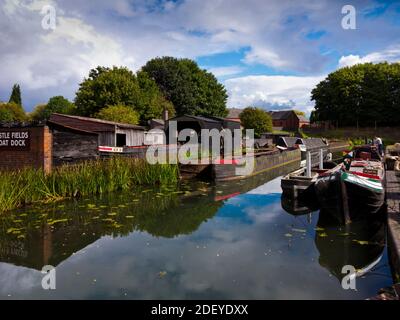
{"points": [[165, 115]]}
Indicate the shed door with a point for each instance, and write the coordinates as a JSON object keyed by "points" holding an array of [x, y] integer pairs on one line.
{"points": [[121, 139]]}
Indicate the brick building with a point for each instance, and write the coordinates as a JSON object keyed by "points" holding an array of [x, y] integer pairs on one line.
{"points": [[288, 120], [281, 120], [63, 139], [26, 146]]}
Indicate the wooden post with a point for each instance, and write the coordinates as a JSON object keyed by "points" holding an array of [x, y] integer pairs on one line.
{"points": [[308, 164], [345, 203], [321, 158]]}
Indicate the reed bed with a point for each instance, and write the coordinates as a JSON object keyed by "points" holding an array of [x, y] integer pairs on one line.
{"points": [[18, 188]]}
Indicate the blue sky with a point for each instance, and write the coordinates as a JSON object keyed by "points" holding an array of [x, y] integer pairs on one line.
{"points": [[266, 53]]}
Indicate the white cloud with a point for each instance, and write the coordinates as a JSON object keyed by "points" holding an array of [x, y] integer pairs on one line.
{"points": [[50, 60], [270, 91], [225, 71], [130, 32], [266, 57], [391, 54]]}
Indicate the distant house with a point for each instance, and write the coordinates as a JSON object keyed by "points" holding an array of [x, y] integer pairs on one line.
{"points": [[288, 120], [111, 134], [281, 120], [234, 114]]}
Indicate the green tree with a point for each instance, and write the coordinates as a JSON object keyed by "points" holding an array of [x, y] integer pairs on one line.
{"points": [[299, 113], [364, 95], [120, 86], [119, 113], [192, 90], [151, 102], [257, 119], [11, 112], [38, 113], [15, 96], [57, 104]]}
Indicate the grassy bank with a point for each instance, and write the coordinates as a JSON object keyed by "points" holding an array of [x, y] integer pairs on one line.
{"points": [[26, 186], [357, 136]]}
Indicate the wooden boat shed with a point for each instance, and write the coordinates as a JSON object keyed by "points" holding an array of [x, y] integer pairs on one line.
{"points": [[197, 123], [111, 134]]}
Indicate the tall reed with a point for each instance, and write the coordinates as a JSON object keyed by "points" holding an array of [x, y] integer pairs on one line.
{"points": [[25, 186]]}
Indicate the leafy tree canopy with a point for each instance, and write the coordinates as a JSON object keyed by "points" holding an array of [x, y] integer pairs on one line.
{"points": [[120, 86], [11, 112], [57, 104], [363, 94], [192, 90], [257, 119], [119, 113]]}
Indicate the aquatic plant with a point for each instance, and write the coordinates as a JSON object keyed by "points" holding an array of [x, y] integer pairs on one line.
{"points": [[30, 185]]}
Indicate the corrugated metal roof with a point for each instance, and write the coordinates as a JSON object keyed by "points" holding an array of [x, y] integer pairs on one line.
{"points": [[288, 142], [312, 143], [59, 125], [90, 124], [198, 118]]}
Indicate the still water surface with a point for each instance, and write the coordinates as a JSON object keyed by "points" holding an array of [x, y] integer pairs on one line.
{"points": [[195, 241]]}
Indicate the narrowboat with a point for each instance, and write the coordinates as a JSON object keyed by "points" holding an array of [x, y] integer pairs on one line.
{"points": [[355, 193]]}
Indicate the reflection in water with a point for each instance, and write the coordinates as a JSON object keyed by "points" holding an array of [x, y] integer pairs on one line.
{"points": [[295, 206], [34, 240], [197, 240], [359, 244]]}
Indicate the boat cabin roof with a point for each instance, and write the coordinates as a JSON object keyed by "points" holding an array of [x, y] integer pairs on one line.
{"points": [[367, 152]]}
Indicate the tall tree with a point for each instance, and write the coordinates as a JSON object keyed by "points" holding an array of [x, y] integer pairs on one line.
{"points": [[364, 94], [191, 90], [257, 119], [15, 96], [119, 86]]}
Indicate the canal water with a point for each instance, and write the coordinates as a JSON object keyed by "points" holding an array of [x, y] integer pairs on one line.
{"points": [[194, 241]]}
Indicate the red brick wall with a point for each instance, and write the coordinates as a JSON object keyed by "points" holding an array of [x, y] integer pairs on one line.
{"points": [[292, 123], [37, 155]]}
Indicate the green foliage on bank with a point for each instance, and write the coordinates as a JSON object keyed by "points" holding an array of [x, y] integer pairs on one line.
{"points": [[256, 119], [364, 94], [27, 186]]}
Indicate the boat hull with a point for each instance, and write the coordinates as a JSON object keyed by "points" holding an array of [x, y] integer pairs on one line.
{"points": [[347, 197]]}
